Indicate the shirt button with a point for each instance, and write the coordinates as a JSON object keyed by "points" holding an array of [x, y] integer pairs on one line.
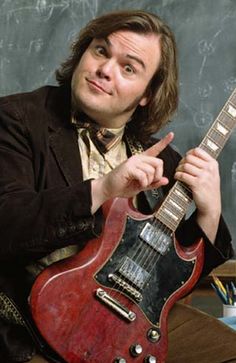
{"points": [[61, 232], [72, 228]]}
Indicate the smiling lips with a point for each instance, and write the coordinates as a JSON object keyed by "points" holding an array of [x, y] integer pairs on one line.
{"points": [[98, 86]]}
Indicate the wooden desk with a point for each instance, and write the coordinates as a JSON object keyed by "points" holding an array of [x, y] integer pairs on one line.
{"points": [[225, 272]]}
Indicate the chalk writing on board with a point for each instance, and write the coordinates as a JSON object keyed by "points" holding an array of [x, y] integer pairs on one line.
{"points": [[230, 84], [205, 90], [36, 45], [233, 170], [43, 10], [203, 118]]}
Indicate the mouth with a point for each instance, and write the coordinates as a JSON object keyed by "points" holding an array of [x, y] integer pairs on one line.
{"points": [[97, 86]]}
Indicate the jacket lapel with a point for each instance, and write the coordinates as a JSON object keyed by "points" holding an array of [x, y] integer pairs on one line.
{"points": [[64, 145], [63, 139]]}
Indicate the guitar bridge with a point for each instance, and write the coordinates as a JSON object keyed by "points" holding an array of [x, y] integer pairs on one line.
{"points": [[126, 286], [115, 305]]}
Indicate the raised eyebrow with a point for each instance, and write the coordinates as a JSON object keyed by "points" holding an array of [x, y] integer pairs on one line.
{"points": [[130, 56], [138, 60]]}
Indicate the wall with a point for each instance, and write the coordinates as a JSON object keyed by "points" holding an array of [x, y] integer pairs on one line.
{"points": [[35, 37]]}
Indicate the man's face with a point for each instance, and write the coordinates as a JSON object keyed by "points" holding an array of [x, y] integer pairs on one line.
{"points": [[112, 76]]}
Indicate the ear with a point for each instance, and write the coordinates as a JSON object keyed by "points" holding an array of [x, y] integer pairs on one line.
{"points": [[146, 98], [143, 101]]}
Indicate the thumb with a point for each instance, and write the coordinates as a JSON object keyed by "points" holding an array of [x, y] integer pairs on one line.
{"points": [[155, 149]]}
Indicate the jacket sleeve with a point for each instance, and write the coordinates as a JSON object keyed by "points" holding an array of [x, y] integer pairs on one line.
{"points": [[215, 254], [35, 222]]}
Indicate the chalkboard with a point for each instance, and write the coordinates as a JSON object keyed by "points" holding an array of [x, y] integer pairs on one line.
{"points": [[35, 37]]}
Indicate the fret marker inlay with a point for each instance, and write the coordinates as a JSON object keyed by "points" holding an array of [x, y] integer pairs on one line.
{"points": [[171, 214], [181, 195], [212, 145], [175, 205], [231, 110], [221, 129]]}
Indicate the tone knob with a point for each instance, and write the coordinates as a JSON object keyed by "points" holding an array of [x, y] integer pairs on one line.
{"points": [[120, 360], [135, 350], [150, 359]]}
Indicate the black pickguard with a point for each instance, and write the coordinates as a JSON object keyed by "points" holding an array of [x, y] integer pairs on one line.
{"points": [[169, 273]]}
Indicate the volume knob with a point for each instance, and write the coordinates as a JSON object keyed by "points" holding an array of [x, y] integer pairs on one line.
{"points": [[120, 360], [150, 359], [135, 350]]}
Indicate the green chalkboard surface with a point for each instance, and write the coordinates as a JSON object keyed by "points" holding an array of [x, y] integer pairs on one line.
{"points": [[35, 37]]}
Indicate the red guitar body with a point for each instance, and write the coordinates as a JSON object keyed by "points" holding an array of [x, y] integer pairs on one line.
{"points": [[90, 310]]}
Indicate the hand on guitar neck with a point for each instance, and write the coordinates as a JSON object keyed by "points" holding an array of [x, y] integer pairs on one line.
{"points": [[200, 172]]}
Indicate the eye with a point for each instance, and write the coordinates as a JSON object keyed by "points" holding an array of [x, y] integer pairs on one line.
{"points": [[129, 69], [100, 50]]}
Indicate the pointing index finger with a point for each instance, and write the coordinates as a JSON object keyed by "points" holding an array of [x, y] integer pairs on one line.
{"points": [[155, 149]]}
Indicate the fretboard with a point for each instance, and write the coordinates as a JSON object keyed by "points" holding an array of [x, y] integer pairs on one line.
{"points": [[179, 198]]}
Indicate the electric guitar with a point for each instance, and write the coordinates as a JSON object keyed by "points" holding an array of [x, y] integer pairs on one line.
{"points": [[110, 302]]}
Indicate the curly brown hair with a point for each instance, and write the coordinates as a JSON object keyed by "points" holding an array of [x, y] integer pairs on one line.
{"points": [[163, 87]]}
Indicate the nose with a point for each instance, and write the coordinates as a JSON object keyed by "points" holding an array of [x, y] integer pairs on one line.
{"points": [[105, 69]]}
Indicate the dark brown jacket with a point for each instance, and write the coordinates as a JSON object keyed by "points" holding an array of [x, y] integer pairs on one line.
{"points": [[44, 204]]}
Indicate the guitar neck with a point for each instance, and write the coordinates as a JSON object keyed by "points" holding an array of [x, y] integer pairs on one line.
{"points": [[179, 198]]}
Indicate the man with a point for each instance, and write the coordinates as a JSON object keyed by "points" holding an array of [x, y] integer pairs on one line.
{"points": [[121, 76]]}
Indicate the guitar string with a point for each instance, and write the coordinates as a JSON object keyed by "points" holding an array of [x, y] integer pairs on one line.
{"points": [[138, 249], [150, 256], [154, 255]]}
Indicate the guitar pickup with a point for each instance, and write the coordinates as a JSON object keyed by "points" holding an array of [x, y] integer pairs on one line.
{"points": [[156, 238]]}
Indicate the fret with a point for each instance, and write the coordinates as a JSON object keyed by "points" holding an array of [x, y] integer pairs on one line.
{"points": [[183, 191], [176, 199], [212, 139], [174, 206], [217, 137], [209, 151], [167, 220], [179, 197], [170, 214], [225, 119], [173, 211]]}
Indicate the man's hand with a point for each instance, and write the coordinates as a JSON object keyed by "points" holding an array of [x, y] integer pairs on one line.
{"points": [[201, 173], [140, 172]]}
